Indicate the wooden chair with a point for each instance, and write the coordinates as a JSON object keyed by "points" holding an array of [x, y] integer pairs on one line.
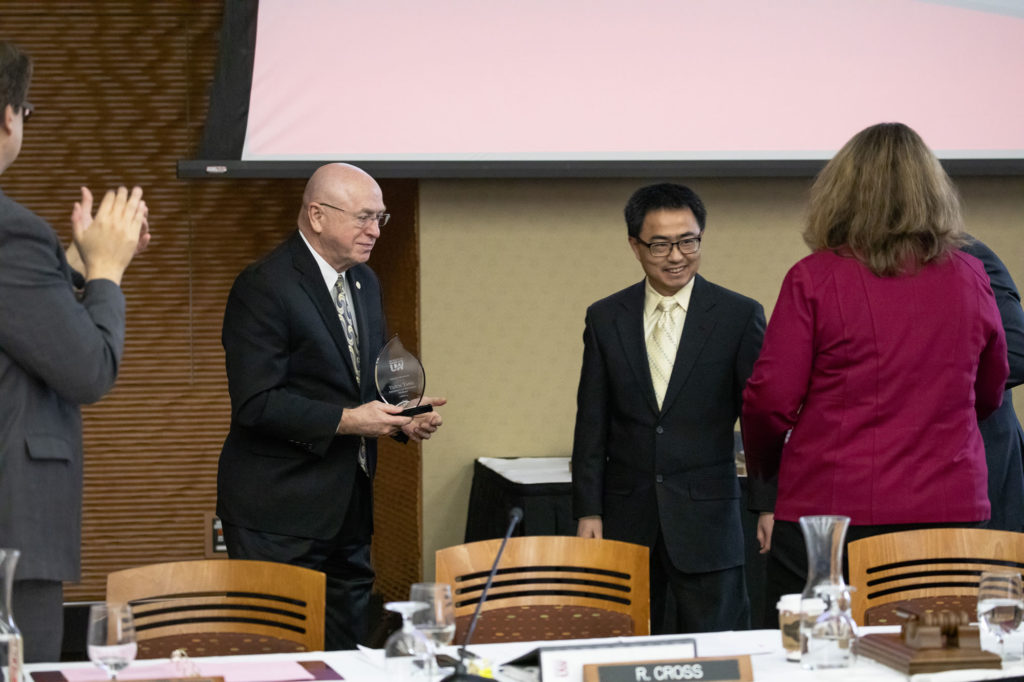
{"points": [[549, 587], [222, 607], [935, 568]]}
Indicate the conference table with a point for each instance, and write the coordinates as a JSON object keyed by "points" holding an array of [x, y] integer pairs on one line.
{"points": [[762, 646]]}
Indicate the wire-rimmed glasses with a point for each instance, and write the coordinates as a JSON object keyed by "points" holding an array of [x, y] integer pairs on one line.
{"points": [[363, 220]]}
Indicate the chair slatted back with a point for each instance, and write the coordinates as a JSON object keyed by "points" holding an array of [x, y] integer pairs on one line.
{"points": [[549, 587], [926, 565], [223, 606]]}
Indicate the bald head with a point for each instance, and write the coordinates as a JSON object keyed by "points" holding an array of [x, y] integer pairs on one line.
{"points": [[334, 178], [336, 196]]}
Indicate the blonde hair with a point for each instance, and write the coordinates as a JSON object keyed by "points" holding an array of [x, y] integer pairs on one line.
{"points": [[886, 199]]}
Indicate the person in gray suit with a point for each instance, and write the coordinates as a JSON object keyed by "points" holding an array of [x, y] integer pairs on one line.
{"points": [[62, 324], [664, 364]]}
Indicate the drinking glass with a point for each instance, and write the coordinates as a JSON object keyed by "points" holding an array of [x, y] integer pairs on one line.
{"points": [[407, 651], [111, 637], [1001, 607], [437, 621]]}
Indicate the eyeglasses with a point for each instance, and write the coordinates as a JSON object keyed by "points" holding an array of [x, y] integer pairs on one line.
{"points": [[26, 111], [661, 249], [363, 220]]}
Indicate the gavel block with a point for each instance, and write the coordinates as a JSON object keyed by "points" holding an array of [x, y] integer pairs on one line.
{"points": [[929, 641]]}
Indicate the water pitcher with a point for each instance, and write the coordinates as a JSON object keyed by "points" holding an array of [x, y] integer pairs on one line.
{"points": [[11, 655], [827, 630]]}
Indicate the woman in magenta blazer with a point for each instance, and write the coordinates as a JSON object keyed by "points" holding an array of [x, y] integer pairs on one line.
{"points": [[884, 350]]}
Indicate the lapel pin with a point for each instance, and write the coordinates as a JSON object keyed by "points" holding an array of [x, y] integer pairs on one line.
{"points": [[359, 285]]}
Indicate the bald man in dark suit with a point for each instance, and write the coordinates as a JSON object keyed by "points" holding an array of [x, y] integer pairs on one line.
{"points": [[302, 329]]}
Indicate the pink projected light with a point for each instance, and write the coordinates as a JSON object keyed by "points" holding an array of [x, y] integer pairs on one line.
{"points": [[638, 80]]}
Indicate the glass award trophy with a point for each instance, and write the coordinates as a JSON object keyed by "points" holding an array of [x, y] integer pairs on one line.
{"points": [[400, 378]]}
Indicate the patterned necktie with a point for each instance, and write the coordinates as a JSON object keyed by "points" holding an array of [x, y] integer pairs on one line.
{"points": [[661, 347], [348, 324]]}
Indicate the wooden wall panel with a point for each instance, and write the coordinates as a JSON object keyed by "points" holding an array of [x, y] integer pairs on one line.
{"points": [[120, 91]]}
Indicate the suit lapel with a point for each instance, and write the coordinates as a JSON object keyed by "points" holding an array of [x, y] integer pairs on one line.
{"points": [[312, 282], [696, 330], [630, 327]]}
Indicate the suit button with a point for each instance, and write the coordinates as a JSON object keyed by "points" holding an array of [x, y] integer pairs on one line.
{"points": [[659, 478], [659, 429]]}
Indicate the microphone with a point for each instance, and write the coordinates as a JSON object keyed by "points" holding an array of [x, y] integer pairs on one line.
{"points": [[515, 515]]}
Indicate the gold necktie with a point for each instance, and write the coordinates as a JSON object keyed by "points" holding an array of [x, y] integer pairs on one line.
{"points": [[661, 347]]}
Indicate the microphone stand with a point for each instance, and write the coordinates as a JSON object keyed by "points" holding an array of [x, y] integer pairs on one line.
{"points": [[460, 674]]}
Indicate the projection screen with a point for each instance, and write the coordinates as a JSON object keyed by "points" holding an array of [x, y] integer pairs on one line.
{"points": [[614, 87]]}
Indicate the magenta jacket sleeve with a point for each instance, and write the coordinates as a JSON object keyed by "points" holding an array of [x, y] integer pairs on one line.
{"points": [[778, 385]]}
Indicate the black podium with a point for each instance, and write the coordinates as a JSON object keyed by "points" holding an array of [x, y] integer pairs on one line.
{"points": [[539, 486]]}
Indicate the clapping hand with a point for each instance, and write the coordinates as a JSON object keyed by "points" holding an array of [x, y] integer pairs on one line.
{"points": [[104, 245]]}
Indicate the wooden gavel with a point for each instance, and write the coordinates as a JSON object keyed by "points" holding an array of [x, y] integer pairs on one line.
{"points": [[938, 629]]}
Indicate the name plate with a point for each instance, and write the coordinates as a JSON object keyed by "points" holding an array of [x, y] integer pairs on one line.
{"points": [[566, 663], [727, 669]]}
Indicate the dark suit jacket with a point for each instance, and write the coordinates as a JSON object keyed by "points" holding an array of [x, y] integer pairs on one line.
{"points": [[641, 468], [1001, 431], [283, 469], [57, 351]]}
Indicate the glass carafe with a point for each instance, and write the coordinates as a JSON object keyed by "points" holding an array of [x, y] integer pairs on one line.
{"points": [[11, 651], [827, 630]]}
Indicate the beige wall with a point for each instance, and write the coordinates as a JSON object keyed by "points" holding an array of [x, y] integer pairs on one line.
{"points": [[509, 267]]}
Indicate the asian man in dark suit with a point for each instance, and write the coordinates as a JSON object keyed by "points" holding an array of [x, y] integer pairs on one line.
{"points": [[62, 328], [302, 329], [664, 363]]}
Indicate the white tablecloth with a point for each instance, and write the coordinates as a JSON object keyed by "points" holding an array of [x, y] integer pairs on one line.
{"points": [[764, 647], [530, 469]]}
